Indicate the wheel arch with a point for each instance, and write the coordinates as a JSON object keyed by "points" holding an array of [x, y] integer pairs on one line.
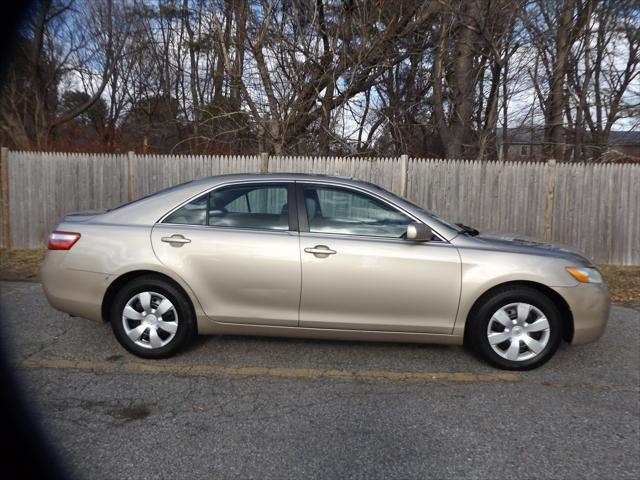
{"points": [[560, 303], [127, 277]]}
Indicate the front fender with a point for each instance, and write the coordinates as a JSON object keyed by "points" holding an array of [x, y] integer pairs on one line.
{"points": [[484, 270]]}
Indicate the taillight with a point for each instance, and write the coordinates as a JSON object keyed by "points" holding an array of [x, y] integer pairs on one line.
{"points": [[62, 240]]}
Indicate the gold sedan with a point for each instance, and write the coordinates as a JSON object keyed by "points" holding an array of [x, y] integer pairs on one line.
{"points": [[316, 257]]}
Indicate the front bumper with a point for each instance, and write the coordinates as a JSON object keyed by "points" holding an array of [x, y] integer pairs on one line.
{"points": [[590, 304], [76, 292]]}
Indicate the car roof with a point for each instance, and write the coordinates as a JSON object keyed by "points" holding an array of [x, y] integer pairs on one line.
{"points": [[215, 179], [148, 210], [153, 205]]}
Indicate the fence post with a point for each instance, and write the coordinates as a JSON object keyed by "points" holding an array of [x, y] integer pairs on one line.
{"points": [[131, 169], [404, 161], [549, 199], [4, 166], [264, 162]]}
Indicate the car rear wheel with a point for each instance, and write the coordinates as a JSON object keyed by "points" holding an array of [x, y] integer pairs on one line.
{"points": [[151, 318], [516, 328]]}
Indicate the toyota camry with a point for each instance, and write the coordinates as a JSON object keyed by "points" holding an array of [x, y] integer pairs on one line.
{"points": [[316, 257]]}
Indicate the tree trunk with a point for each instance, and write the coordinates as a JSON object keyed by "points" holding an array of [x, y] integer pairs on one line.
{"points": [[554, 129], [488, 134], [218, 76], [438, 80], [462, 84], [193, 78], [239, 39]]}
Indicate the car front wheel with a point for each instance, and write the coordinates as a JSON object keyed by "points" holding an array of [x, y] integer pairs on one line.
{"points": [[516, 328]]}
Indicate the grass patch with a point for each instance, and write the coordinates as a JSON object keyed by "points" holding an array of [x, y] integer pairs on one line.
{"points": [[21, 263], [24, 264]]}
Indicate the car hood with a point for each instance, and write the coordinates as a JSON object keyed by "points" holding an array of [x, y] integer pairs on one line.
{"points": [[525, 245]]}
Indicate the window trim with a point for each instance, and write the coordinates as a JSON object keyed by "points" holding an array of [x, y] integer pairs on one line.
{"points": [[303, 220], [299, 213], [291, 205]]}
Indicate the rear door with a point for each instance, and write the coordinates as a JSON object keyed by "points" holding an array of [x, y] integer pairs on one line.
{"points": [[238, 249], [359, 273]]}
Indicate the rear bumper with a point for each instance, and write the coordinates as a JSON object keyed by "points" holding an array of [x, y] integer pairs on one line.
{"points": [[75, 292], [589, 304]]}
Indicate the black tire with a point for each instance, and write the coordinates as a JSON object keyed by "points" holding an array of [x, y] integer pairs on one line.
{"points": [[477, 335], [186, 321]]}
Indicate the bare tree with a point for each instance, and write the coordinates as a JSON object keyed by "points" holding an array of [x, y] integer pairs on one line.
{"points": [[426, 77], [66, 41]]}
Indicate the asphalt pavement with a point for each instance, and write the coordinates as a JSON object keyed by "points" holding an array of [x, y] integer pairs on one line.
{"points": [[247, 407]]}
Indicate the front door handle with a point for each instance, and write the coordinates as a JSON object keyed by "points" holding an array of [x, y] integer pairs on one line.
{"points": [[176, 240], [320, 251]]}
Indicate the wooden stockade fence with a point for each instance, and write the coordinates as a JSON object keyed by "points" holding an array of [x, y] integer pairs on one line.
{"points": [[594, 207]]}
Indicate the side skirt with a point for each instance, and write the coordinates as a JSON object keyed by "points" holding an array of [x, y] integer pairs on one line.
{"points": [[207, 327]]}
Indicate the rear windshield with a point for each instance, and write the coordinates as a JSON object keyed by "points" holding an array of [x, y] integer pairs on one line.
{"points": [[159, 192]]}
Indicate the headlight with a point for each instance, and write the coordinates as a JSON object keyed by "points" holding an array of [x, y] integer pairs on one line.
{"points": [[585, 275]]}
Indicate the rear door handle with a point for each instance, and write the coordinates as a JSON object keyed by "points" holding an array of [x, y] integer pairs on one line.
{"points": [[320, 250], [176, 239]]}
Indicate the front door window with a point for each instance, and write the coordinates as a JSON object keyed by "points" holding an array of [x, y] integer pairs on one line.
{"points": [[347, 212]]}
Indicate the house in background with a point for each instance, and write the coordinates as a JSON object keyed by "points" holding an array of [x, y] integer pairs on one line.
{"points": [[527, 144]]}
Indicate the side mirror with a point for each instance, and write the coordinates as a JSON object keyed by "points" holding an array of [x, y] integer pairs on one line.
{"points": [[419, 232]]}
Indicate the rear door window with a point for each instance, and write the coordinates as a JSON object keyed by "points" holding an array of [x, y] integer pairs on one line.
{"points": [[253, 206], [241, 206]]}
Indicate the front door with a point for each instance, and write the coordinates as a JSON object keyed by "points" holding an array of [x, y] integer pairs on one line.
{"points": [[359, 273], [238, 249]]}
